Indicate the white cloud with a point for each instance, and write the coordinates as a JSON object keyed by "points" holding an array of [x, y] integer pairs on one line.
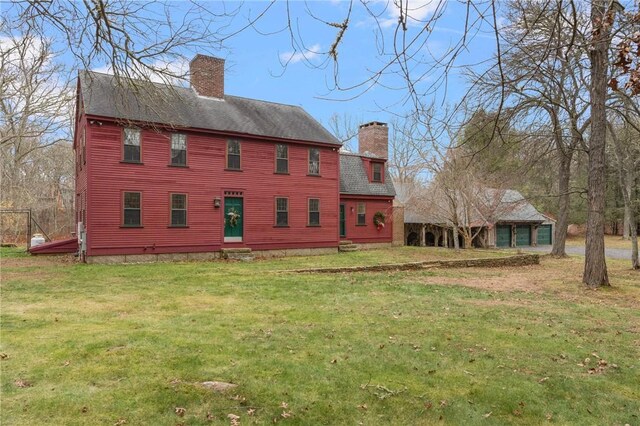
{"points": [[293, 57], [417, 11]]}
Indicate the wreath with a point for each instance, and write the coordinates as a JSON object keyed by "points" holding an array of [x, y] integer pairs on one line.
{"points": [[232, 217], [378, 219]]}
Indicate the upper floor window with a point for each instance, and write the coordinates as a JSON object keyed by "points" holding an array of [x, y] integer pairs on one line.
{"points": [[314, 212], [178, 209], [132, 145], [361, 214], [282, 158], [314, 161], [233, 154], [178, 149], [377, 172], [132, 209], [282, 211]]}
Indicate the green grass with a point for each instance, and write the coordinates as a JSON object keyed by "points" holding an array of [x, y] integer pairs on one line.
{"points": [[100, 343]]}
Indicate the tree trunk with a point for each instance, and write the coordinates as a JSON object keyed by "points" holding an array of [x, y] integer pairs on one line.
{"points": [[456, 242], [595, 266], [626, 223], [635, 260], [560, 234]]}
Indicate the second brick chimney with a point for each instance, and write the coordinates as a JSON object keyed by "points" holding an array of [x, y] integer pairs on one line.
{"points": [[207, 76], [373, 138]]}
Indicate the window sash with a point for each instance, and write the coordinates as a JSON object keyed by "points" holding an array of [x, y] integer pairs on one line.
{"points": [[131, 209], [178, 149], [282, 211], [377, 172], [233, 154], [314, 161], [314, 211], [131, 144], [362, 214], [282, 158], [178, 210]]}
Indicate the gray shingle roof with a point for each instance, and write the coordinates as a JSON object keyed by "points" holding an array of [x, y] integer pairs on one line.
{"points": [[495, 206], [182, 107], [354, 179], [515, 208]]}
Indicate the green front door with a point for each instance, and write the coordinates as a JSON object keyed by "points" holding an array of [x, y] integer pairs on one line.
{"points": [[523, 235], [343, 227], [503, 236], [544, 235], [233, 217]]}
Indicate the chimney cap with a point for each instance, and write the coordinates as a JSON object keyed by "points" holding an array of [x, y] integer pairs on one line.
{"points": [[373, 123], [201, 56]]}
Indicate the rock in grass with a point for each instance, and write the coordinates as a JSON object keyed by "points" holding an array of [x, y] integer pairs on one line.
{"points": [[218, 386]]}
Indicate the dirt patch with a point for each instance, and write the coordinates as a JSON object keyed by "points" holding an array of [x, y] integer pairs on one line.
{"points": [[558, 277], [31, 261]]}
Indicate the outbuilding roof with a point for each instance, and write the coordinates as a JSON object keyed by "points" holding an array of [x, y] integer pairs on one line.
{"points": [[354, 179], [182, 107]]}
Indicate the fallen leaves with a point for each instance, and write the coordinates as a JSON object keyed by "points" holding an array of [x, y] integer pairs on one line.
{"points": [[180, 412], [233, 419], [120, 422]]}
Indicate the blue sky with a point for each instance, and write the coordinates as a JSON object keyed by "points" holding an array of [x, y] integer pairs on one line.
{"points": [[255, 61], [255, 57]]}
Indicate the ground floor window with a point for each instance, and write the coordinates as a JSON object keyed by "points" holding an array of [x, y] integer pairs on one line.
{"points": [[362, 217], [132, 208], [314, 212], [282, 211], [178, 209]]}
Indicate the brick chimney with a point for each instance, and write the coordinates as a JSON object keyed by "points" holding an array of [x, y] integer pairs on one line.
{"points": [[373, 138], [207, 76]]}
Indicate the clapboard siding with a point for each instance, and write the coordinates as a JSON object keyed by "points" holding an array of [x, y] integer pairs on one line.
{"points": [[368, 233], [204, 179]]}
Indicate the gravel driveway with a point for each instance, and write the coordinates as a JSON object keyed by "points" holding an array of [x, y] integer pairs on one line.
{"points": [[609, 252]]}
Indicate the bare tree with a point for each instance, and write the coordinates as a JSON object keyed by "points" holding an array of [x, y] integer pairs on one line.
{"points": [[544, 85], [626, 149], [35, 131]]}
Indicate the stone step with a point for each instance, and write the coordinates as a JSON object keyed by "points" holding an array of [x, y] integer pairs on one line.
{"points": [[345, 242], [348, 248], [236, 250], [243, 254]]}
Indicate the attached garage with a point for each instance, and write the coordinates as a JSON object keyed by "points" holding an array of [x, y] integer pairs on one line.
{"points": [[544, 235], [523, 235], [503, 235]]}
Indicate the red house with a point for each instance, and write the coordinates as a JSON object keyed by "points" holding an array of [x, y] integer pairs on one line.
{"points": [[167, 172]]}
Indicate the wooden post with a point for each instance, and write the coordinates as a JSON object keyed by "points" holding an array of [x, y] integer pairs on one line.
{"points": [[29, 229]]}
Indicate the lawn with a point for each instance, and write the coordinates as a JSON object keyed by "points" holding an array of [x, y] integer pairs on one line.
{"points": [[109, 344]]}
